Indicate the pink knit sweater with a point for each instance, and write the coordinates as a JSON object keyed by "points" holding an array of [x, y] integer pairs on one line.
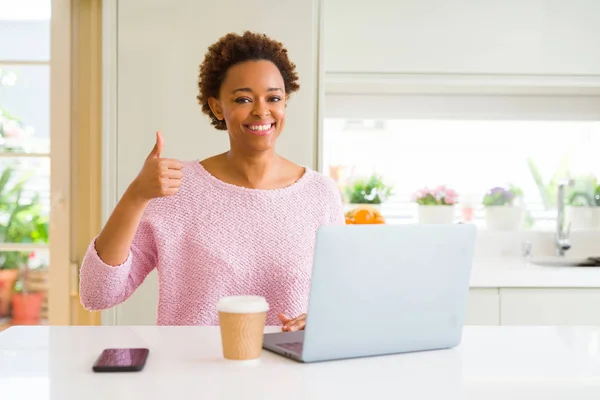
{"points": [[214, 239]]}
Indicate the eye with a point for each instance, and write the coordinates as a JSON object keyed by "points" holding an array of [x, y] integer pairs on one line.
{"points": [[275, 99], [242, 100]]}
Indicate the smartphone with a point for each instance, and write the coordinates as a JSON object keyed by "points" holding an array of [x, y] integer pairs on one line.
{"points": [[121, 360]]}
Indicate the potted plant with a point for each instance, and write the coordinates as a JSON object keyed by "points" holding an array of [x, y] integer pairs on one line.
{"points": [[12, 131], [371, 190], [20, 222], [582, 211], [8, 277], [436, 206], [26, 304], [502, 211]]}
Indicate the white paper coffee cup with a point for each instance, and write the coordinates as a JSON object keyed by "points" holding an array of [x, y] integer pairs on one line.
{"points": [[242, 321]]}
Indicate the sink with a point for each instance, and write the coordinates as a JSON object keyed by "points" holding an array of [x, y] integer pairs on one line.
{"points": [[557, 261]]}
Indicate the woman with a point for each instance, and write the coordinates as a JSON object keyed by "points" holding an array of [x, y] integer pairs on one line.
{"points": [[241, 222]]}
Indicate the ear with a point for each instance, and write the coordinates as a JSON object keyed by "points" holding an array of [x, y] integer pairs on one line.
{"points": [[215, 107]]}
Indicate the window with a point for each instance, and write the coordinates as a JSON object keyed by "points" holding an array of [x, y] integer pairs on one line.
{"points": [[468, 143], [24, 159]]}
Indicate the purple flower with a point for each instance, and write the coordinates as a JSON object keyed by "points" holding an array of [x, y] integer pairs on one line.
{"points": [[498, 195]]}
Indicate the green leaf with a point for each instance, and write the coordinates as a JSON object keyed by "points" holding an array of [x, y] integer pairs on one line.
{"points": [[369, 190], [23, 222]]}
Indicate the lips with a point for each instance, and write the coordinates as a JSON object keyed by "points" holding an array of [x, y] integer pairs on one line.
{"points": [[260, 129]]}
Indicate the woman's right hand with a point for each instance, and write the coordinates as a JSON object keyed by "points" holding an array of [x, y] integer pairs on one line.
{"points": [[159, 177]]}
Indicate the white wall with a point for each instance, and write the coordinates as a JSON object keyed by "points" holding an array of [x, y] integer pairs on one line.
{"points": [[159, 47]]}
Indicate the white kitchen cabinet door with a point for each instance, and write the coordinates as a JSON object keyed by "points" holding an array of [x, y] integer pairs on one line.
{"points": [[549, 306], [153, 49], [479, 37], [483, 307]]}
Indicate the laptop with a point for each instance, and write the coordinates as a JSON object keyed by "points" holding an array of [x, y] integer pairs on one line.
{"points": [[383, 289]]}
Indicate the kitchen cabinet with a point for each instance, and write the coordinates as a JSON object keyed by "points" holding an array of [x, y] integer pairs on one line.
{"points": [[550, 306], [483, 307], [533, 306], [486, 37]]}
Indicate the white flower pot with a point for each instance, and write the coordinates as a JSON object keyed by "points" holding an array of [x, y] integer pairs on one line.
{"points": [[582, 218], [504, 218], [435, 214]]}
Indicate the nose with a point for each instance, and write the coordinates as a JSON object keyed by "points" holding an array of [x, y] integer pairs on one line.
{"points": [[261, 109]]}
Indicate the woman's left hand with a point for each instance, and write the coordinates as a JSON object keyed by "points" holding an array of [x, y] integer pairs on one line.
{"points": [[292, 324]]}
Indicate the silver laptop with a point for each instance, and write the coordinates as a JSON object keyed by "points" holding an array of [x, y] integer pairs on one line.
{"points": [[383, 289]]}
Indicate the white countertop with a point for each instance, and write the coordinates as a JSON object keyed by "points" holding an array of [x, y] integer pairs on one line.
{"points": [[186, 362], [496, 272]]}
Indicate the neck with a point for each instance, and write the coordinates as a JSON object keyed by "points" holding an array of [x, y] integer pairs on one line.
{"points": [[253, 169]]}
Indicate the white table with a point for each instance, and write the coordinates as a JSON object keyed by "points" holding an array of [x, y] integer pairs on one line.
{"points": [[186, 363]]}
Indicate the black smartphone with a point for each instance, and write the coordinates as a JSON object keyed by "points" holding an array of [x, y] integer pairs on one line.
{"points": [[121, 360]]}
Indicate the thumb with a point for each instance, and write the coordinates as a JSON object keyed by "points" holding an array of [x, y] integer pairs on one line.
{"points": [[157, 149]]}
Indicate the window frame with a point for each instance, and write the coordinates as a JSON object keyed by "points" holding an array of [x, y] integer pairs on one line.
{"points": [[61, 271], [380, 96]]}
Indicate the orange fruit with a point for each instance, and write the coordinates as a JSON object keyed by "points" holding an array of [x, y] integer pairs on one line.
{"points": [[364, 216]]}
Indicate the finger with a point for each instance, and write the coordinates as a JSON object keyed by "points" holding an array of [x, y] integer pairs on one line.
{"points": [[158, 146], [172, 174], [295, 323], [171, 163], [174, 183], [293, 320], [166, 182], [298, 325], [284, 318]]}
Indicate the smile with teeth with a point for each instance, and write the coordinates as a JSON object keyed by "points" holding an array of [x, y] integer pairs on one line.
{"points": [[260, 127]]}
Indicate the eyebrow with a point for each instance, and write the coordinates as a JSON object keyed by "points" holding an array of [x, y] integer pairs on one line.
{"points": [[250, 90]]}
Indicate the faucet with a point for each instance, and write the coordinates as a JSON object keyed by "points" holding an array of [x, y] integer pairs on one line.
{"points": [[562, 243]]}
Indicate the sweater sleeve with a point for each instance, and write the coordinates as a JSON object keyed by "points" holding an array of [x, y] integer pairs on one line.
{"points": [[337, 216], [103, 286]]}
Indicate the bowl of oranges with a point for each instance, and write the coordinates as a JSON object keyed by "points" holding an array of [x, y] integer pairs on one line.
{"points": [[364, 214]]}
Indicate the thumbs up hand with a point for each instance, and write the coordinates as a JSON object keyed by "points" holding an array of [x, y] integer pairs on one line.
{"points": [[159, 177]]}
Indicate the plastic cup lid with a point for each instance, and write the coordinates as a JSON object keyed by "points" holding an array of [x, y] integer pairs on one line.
{"points": [[242, 304]]}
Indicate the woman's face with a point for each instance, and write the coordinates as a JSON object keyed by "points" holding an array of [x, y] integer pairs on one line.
{"points": [[252, 102]]}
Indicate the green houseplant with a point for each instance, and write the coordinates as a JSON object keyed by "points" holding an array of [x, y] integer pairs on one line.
{"points": [[21, 221], [548, 189], [370, 190], [582, 211]]}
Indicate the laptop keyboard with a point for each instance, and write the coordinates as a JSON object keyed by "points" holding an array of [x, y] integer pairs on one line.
{"points": [[293, 346]]}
